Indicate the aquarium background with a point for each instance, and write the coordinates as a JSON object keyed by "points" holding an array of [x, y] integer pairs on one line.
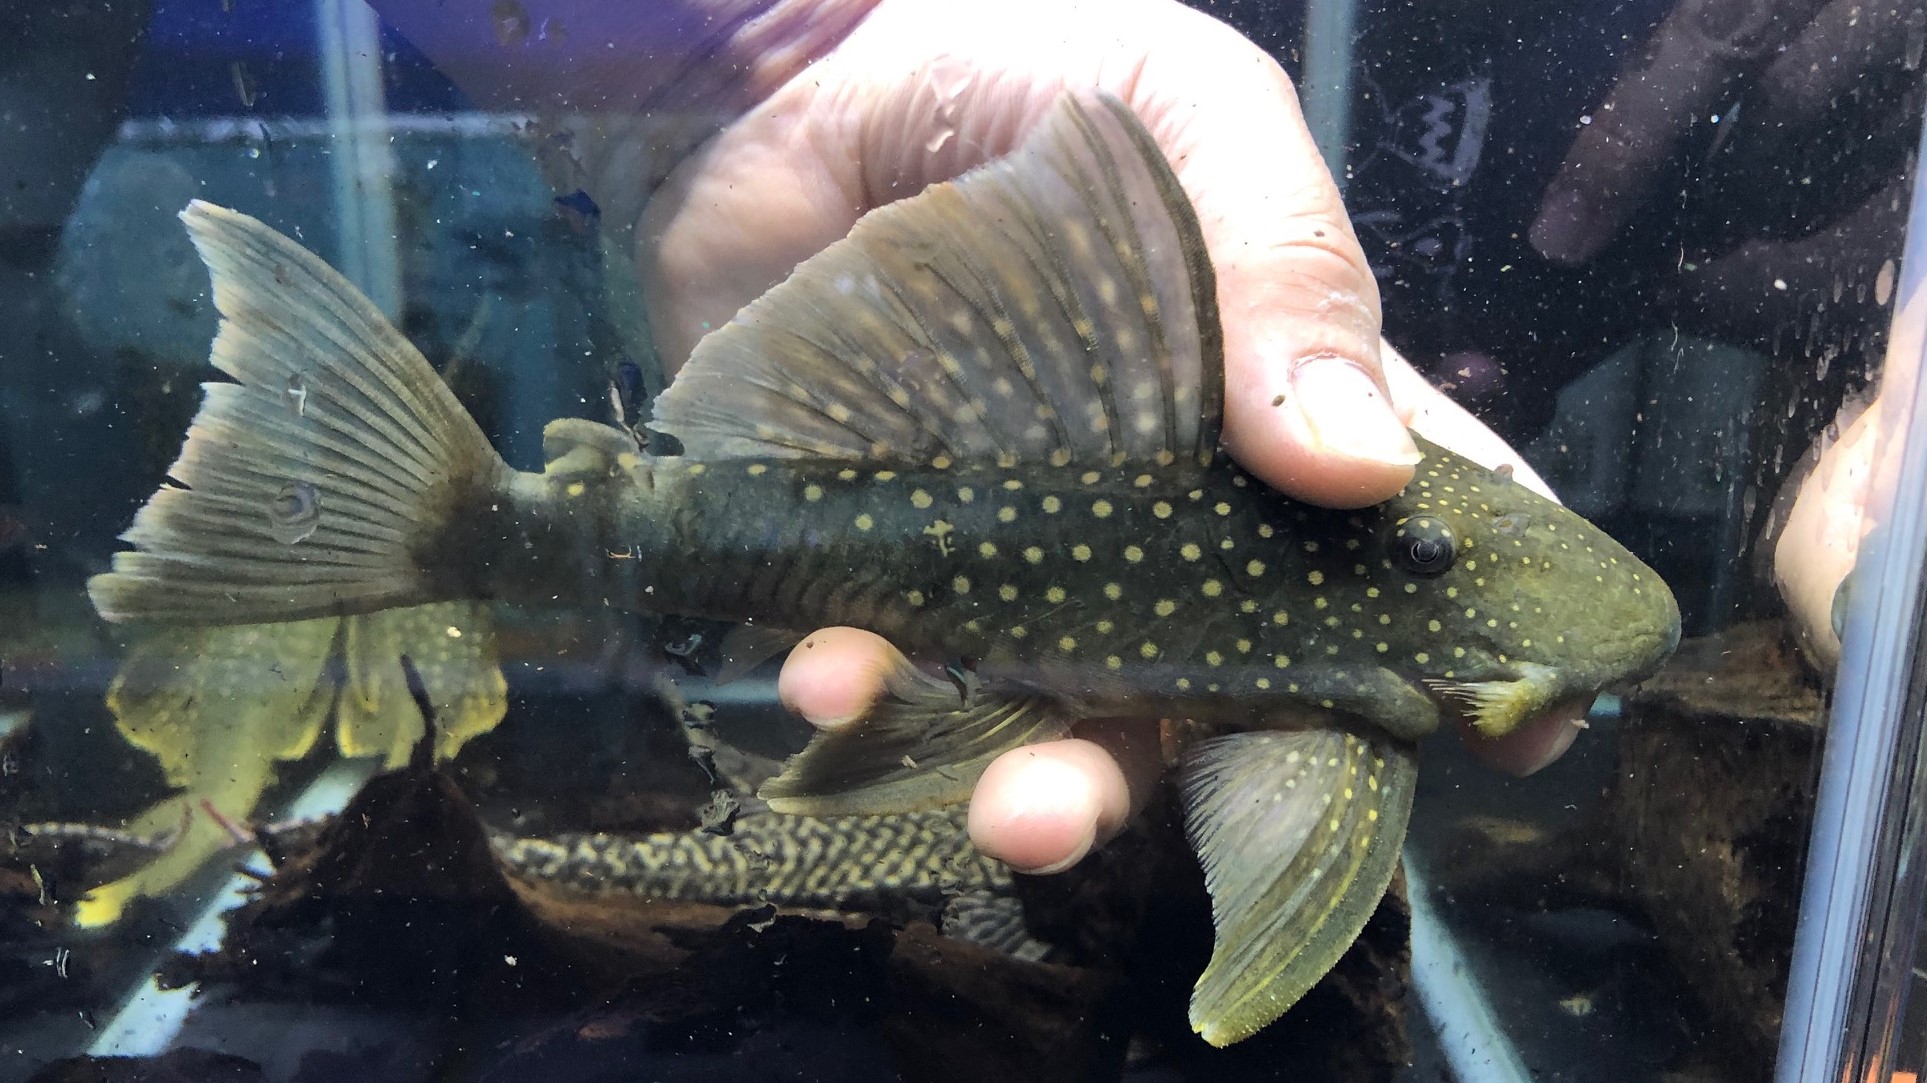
{"points": [[1628, 913]]}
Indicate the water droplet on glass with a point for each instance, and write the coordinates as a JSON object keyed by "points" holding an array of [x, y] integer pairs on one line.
{"points": [[298, 394], [295, 513]]}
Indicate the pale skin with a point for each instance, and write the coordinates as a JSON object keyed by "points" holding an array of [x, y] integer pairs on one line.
{"points": [[918, 91]]}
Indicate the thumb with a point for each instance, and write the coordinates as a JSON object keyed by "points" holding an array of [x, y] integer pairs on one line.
{"points": [[1307, 406]]}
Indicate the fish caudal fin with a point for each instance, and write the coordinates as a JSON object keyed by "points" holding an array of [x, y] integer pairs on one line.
{"points": [[312, 485], [1299, 834], [921, 746]]}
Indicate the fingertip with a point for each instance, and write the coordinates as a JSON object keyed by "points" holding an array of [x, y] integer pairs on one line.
{"points": [[1040, 809], [835, 675], [1327, 435]]}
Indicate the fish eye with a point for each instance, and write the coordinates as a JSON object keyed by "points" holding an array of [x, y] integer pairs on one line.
{"points": [[1423, 545]]}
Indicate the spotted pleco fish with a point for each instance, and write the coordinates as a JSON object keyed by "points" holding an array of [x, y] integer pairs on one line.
{"points": [[986, 426]]}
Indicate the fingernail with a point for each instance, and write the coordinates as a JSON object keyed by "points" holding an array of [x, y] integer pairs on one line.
{"points": [[1568, 229], [1347, 413]]}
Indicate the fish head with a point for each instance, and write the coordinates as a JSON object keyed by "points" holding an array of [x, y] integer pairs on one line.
{"points": [[1526, 610]]}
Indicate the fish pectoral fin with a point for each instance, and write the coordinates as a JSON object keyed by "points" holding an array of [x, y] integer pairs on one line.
{"points": [[915, 749], [1299, 834]]}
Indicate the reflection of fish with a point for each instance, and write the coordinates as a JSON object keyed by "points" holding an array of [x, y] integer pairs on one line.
{"points": [[986, 426]]}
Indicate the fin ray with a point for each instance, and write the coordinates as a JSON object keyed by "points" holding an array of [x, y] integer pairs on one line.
{"points": [[1299, 835], [309, 487]]}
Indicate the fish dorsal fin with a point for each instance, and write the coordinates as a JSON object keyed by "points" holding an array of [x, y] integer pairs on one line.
{"points": [[1055, 305]]}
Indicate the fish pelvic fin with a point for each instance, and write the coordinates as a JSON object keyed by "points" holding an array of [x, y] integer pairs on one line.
{"points": [[318, 482], [921, 746], [1299, 835], [1055, 305]]}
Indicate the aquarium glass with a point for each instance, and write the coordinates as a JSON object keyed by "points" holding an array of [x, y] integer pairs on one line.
{"points": [[331, 747]]}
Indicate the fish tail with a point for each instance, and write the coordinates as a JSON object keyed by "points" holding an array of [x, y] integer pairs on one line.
{"points": [[320, 481]]}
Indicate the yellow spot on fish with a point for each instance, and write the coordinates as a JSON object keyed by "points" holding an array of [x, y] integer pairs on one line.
{"points": [[1221, 508], [1421, 658], [1007, 592], [1190, 551], [1067, 644], [915, 597], [1133, 554], [1255, 568], [1052, 505], [812, 493], [920, 499], [1090, 477], [1101, 509], [941, 462], [1212, 588], [1006, 514], [1264, 530], [1033, 555], [986, 549], [1315, 577], [1263, 682], [961, 584], [1213, 658], [1113, 591], [1147, 649], [846, 475], [1054, 595], [864, 522], [1382, 647], [886, 475], [1013, 485], [576, 488], [1184, 684], [1165, 607], [1019, 631], [1161, 509], [1281, 618], [1243, 645], [757, 470], [1112, 661], [1142, 481], [1080, 552]]}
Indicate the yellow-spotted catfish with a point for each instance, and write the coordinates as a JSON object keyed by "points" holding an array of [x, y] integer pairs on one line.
{"points": [[986, 426]]}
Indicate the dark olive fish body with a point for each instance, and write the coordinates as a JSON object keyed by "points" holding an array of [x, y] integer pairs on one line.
{"points": [[1205, 594], [986, 425]]}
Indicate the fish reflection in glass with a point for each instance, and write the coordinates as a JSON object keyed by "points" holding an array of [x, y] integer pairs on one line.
{"points": [[986, 426]]}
